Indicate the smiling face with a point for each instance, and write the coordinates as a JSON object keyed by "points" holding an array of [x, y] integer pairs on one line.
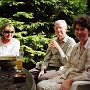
{"points": [[81, 33], [60, 29], [8, 32]]}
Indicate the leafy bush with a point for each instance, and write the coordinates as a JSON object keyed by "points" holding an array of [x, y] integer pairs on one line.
{"points": [[33, 21]]}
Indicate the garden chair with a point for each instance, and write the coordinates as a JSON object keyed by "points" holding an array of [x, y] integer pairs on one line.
{"points": [[79, 83], [29, 80]]}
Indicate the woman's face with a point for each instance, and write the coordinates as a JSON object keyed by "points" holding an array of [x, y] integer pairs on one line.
{"points": [[81, 33], [8, 32]]}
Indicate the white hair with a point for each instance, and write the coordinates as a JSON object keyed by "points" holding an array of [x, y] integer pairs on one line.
{"points": [[63, 22]]}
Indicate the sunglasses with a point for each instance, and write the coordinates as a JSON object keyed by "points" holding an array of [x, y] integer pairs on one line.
{"points": [[8, 31]]}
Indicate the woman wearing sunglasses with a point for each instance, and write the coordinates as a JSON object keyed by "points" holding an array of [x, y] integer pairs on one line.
{"points": [[9, 46]]}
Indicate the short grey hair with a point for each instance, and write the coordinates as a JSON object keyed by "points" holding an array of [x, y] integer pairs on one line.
{"points": [[61, 22]]}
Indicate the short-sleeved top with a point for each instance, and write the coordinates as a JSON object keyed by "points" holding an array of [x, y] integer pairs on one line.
{"points": [[10, 49]]}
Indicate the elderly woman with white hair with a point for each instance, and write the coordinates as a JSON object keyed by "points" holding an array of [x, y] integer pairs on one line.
{"points": [[58, 51]]}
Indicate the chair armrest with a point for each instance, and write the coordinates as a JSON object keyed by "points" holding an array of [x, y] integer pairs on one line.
{"points": [[29, 80], [77, 83], [38, 65]]}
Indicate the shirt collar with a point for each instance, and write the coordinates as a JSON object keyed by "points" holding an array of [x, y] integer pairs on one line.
{"points": [[65, 38], [87, 45]]}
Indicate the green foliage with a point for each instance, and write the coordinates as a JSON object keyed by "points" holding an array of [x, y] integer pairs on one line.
{"points": [[10, 2], [33, 21], [33, 45], [26, 15]]}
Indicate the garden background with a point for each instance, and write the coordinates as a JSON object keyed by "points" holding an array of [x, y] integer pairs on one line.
{"points": [[33, 21]]}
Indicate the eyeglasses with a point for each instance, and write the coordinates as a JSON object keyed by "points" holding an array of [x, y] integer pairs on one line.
{"points": [[8, 31]]}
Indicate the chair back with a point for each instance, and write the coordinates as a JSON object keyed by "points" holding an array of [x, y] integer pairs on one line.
{"points": [[30, 83]]}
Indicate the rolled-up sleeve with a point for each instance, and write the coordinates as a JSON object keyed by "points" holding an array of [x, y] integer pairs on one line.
{"points": [[64, 56]]}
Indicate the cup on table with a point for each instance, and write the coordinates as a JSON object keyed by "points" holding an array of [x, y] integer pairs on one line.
{"points": [[19, 64]]}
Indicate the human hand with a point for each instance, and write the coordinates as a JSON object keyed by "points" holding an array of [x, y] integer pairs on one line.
{"points": [[66, 84], [54, 44], [41, 73]]}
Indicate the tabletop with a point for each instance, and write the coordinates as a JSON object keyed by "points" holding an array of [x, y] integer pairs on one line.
{"points": [[7, 81]]}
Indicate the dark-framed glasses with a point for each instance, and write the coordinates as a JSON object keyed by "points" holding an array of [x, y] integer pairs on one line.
{"points": [[8, 31]]}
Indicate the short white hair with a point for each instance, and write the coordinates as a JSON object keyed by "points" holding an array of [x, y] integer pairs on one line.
{"points": [[63, 22]]}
